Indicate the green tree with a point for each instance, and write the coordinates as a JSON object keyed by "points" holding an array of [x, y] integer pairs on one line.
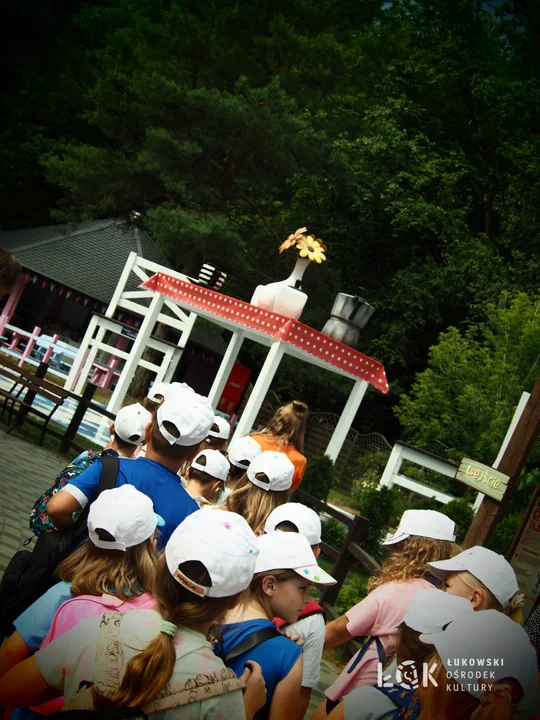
{"points": [[462, 404]]}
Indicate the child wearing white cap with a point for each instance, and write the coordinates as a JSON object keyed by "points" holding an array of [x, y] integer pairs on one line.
{"points": [[127, 434], [113, 569], [207, 564], [484, 577], [241, 453], [264, 486], [422, 536], [285, 570], [178, 427], [297, 518], [429, 612], [218, 434], [206, 475]]}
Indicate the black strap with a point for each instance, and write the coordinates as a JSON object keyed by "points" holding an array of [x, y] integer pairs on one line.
{"points": [[248, 643], [380, 652], [110, 466]]}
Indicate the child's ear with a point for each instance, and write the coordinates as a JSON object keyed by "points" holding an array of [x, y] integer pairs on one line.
{"points": [[111, 429], [477, 599], [269, 585], [148, 433]]}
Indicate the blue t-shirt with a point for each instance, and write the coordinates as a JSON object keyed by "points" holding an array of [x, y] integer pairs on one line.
{"points": [[161, 485], [34, 623], [276, 656]]}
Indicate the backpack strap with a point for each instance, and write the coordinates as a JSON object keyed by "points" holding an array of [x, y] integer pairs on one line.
{"points": [[107, 677], [380, 652], [251, 641], [110, 467]]}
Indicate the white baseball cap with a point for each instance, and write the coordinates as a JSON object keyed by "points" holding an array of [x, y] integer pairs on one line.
{"points": [[290, 551], [431, 610], [242, 452], [424, 523], [212, 462], [130, 423], [192, 419], [220, 429], [306, 520], [277, 468], [488, 635], [126, 514], [492, 569], [158, 391], [223, 542]]}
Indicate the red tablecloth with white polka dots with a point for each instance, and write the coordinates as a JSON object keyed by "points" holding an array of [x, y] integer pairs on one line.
{"points": [[279, 327]]}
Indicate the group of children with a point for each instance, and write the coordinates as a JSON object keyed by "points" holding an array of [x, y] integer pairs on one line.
{"points": [[194, 582]]}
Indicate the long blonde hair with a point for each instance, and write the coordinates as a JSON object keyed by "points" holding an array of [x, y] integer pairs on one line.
{"points": [[490, 602], [409, 559], [288, 425], [149, 671], [253, 503], [95, 571]]}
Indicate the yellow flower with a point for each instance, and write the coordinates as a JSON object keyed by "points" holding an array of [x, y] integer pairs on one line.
{"points": [[311, 248], [292, 239]]}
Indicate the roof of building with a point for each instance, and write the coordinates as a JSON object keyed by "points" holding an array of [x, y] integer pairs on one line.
{"points": [[88, 257]]}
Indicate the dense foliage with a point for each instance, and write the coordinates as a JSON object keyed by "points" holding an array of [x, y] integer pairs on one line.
{"points": [[406, 134]]}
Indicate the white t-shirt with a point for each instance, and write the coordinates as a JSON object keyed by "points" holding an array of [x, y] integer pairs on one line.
{"points": [[368, 703], [312, 631], [70, 660]]}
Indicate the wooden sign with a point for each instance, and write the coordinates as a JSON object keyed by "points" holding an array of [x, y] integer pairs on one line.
{"points": [[524, 555], [483, 478]]}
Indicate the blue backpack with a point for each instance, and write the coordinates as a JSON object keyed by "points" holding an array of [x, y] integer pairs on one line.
{"points": [[39, 520]]}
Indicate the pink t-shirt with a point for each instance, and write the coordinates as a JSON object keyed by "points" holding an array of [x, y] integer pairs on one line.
{"points": [[377, 615], [84, 606]]}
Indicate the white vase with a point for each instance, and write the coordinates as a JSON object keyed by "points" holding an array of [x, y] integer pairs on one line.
{"points": [[284, 297]]}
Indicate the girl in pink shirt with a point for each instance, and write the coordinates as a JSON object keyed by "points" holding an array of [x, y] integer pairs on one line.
{"points": [[422, 536]]}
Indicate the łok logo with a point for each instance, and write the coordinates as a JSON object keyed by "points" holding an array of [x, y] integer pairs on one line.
{"points": [[407, 675]]}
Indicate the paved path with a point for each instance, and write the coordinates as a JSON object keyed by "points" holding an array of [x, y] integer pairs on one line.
{"points": [[26, 470]]}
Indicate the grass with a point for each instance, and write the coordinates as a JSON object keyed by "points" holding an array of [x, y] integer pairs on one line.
{"points": [[343, 499]]}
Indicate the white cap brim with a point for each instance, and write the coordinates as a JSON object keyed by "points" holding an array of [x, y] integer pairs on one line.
{"points": [[398, 537], [316, 574], [442, 567]]}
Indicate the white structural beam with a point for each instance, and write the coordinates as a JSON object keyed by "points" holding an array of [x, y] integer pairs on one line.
{"points": [[517, 415], [135, 355], [260, 389], [225, 368], [346, 419], [78, 359]]}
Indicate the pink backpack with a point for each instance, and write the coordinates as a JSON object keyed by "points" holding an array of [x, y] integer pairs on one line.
{"points": [[73, 611]]}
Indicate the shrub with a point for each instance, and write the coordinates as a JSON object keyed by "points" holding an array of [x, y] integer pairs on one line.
{"points": [[351, 594], [376, 506], [504, 533], [319, 477], [370, 466], [461, 513], [333, 533]]}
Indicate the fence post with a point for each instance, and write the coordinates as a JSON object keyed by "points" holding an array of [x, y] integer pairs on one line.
{"points": [[344, 560], [80, 410], [30, 346], [49, 351], [30, 395]]}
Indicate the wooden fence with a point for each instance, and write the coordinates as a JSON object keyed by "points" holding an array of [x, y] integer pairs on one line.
{"points": [[84, 402]]}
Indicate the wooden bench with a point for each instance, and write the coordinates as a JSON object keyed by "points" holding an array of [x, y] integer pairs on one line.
{"points": [[22, 394]]}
